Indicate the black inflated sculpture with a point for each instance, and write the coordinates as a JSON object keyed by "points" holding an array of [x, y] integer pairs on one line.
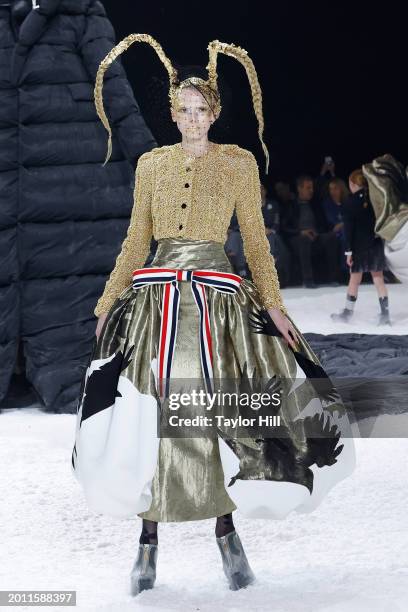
{"points": [[63, 216]]}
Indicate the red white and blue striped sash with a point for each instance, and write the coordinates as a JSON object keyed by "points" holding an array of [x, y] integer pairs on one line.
{"points": [[225, 282]]}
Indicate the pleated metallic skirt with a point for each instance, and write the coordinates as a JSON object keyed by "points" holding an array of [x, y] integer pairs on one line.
{"points": [[189, 481], [115, 459]]}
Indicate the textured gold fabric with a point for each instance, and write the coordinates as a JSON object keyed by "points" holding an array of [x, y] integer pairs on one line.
{"points": [[189, 480], [178, 197]]}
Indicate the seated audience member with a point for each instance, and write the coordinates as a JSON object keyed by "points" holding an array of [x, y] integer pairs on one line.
{"points": [[333, 209], [279, 250], [234, 248], [305, 229], [283, 193]]}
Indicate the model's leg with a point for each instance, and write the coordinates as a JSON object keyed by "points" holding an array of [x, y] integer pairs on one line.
{"points": [[352, 289], [234, 561], [378, 280], [224, 525], [143, 574], [149, 532], [351, 297]]}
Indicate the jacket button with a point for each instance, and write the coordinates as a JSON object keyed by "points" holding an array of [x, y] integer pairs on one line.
{"points": [[180, 226], [187, 185], [188, 169], [183, 205]]}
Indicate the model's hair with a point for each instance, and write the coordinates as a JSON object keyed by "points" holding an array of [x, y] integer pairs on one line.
{"points": [[357, 177], [302, 178], [241, 55], [207, 85], [191, 76], [344, 191]]}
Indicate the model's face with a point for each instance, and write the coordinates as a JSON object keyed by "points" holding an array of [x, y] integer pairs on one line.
{"points": [[192, 114], [335, 192]]}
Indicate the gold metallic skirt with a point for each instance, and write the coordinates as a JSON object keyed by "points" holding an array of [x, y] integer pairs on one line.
{"points": [[122, 466], [189, 481]]}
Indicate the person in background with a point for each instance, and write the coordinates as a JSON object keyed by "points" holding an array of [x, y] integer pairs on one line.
{"points": [[332, 206], [234, 247], [364, 250], [279, 250], [327, 173], [304, 227], [283, 193]]}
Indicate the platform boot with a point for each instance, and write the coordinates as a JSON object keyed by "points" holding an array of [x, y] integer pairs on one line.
{"points": [[234, 561], [346, 314], [143, 574], [384, 318]]}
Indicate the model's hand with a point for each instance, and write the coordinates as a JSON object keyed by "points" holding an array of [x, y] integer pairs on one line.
{"points": [[101, 321], [285, 326], [338, 227], [349, 260]]}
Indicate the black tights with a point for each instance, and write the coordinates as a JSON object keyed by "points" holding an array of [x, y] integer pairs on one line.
{"points": [[223, 526], [149, 532]]}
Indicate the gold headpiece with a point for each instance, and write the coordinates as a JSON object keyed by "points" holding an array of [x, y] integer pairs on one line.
{"points": [[208, 88]]}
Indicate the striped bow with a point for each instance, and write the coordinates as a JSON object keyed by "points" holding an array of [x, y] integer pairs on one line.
{"points": [[226, 282]]}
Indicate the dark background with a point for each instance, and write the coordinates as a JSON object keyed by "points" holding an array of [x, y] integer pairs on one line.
{"points": [[333, 74]]}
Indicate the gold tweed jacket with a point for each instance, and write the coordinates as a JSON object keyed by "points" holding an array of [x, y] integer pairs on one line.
{"points": [[178, 196]]}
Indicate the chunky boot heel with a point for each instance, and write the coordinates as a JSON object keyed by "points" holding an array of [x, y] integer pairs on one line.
{"points": [[234, 561], [143, 574]]}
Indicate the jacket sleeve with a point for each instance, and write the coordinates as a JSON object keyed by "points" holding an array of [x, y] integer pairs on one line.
{"points": [[122, 110], [256, 245], [136, 246]]}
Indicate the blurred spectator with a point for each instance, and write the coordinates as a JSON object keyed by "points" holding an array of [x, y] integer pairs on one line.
{"points": [[333, 209], [327, 173], [279, 250], [234, 247], [305, 228], [283, 192], [332, 205]]}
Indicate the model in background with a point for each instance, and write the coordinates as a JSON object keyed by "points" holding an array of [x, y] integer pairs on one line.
{"points": [[364, 249]]}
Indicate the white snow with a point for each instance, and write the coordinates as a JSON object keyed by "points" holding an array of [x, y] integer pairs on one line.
{"points": [[349, 555], [310, 309]]}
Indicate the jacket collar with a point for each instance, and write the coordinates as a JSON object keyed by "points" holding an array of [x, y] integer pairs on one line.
{"points": [[29, 32]]}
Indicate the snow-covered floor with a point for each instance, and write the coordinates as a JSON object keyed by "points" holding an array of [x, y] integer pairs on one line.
{"points": [[349, 555], [310, 309]]}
